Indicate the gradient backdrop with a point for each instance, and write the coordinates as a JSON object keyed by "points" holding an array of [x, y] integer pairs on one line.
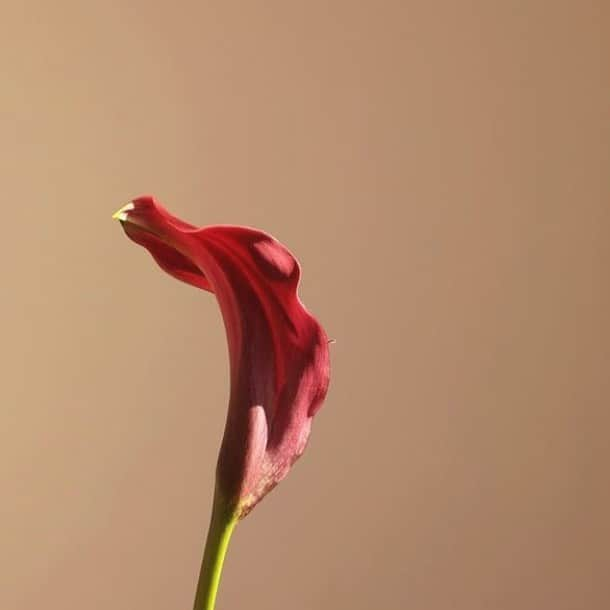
{"points": [[441, 171]]}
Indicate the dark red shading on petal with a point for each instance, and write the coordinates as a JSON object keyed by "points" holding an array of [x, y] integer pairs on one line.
{"points": [[169, 259]]}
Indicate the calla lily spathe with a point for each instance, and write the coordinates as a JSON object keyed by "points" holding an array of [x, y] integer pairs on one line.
{"points": [[279, 360]]}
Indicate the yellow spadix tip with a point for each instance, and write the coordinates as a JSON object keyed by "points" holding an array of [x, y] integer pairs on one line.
{"points": [[122, 213]]}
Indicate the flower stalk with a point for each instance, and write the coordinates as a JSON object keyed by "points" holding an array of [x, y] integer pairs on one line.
{"points": [[222, 524]]}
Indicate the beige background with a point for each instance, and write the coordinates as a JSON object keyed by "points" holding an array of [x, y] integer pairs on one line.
{"points": [[441, 170]]}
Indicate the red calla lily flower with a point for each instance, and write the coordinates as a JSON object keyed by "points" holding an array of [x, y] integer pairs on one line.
{"points": [[278, 352]]}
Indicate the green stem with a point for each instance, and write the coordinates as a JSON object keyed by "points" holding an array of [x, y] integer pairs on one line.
{"points": [[222, 524]]}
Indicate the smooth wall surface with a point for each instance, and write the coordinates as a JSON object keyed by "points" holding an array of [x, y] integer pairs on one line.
{"points": [[441, 171]]}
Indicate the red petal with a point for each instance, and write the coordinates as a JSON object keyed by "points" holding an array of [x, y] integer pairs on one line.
{"points": [[278, 351]]}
